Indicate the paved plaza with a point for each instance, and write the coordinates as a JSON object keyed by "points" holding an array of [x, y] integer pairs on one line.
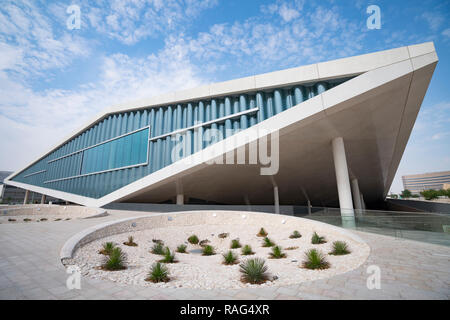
{"points": [[30, 268]]}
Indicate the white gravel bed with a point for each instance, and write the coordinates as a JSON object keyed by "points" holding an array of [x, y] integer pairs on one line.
{"points": [[208, 272]]}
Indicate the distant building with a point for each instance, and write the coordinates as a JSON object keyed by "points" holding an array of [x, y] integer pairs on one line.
{"points": [[426, 181]]}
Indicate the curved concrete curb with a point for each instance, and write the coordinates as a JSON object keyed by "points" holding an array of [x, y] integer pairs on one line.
{"points": [[123, 225]]}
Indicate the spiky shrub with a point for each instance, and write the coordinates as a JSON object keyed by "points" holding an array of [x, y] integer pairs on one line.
{"points": [[182, 248], [169, 257], [295, 235], [235, 244], [315, 260], [58, 219], [254, 271], [116, 260], [267, 242], [291, 248], [130, 242], [262, 233], [44, 219], [158, 241], [229, 258], [193, 239], [247, 250], [208, 250], [277, 253], [158, 248], [158, 273], [107, 248], [340, 248], [316, 239], [11, 219], [203, 243], [27, 219]]}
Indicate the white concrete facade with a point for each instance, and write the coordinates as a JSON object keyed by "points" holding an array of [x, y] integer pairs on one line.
{"points": [[354, 110]]}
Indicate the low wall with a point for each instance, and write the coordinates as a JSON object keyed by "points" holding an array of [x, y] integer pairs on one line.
{"points": [[46, 209]]}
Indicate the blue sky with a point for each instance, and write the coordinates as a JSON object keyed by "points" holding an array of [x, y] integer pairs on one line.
{"points": [[53, 79]]}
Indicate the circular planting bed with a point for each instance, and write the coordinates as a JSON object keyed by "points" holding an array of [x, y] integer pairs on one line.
{"points": [[45, 213], [286, 261]]}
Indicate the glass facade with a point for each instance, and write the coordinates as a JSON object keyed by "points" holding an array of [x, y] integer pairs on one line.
{"points": [[124, 147]]}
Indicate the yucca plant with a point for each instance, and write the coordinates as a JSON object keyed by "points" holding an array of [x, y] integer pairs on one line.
{"points": [[182, 248], [267, 242], [116, 260], [235, 244], [262, 233], [230, 258], [295, 235], [254, 271], [315, 260], [208, 250], [44, 219], [130, 242], [277, 253], [203, 243], [158, 273], [158, 248], [340, 248], [193, 239], [223, 235], [247, 250], [316, 239], [169, 257], [107, 248], [27, 219], [12, 220]]}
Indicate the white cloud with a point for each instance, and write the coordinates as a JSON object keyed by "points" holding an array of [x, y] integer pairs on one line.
{"points": [[288, 13], [434, 20], [446, 33]]}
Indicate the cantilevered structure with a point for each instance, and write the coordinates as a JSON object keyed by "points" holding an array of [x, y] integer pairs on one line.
{"points": [[343, 126]]}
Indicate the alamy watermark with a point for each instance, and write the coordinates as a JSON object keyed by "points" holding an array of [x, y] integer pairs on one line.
{"points": [[374, 20], [74, 280], [374, 280], [74, 20]]}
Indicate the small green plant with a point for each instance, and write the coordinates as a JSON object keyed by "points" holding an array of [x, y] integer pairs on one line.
{"points": [[203, 243], [116, 260], [44, 219], [27, 220], [254, 271], [158, 241], [291, 248], [107, 248], [247, 250], [340, 248], [295, 235], [182, 248], [11, 219], [223, 235], [158, 273], [230, 258], [58, 219], [169, 257], [193, 239], [262, 233], [315, 260], [130, 242], [316, 239], [277, 253], [267, 242], [235, 244], [208, 250], [158, 248]]}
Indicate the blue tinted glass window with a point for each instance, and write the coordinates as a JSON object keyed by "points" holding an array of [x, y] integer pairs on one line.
{"points": [[123, 152]]}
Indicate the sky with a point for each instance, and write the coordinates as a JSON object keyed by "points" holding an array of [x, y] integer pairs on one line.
{"points": [[54, 78]]}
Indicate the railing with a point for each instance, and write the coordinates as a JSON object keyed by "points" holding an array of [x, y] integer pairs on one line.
{"points": [[425, 227]]}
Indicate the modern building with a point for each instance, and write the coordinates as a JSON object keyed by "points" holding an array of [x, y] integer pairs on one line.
{"points": [[336, 130], [417, 183]]}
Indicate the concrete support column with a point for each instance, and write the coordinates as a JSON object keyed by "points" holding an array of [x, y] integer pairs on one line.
{"points": [[356, 196], [309, 207], [276, 200], [27, 196], [363, 204], [43, 198], [342, 178], [180, 199]]}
